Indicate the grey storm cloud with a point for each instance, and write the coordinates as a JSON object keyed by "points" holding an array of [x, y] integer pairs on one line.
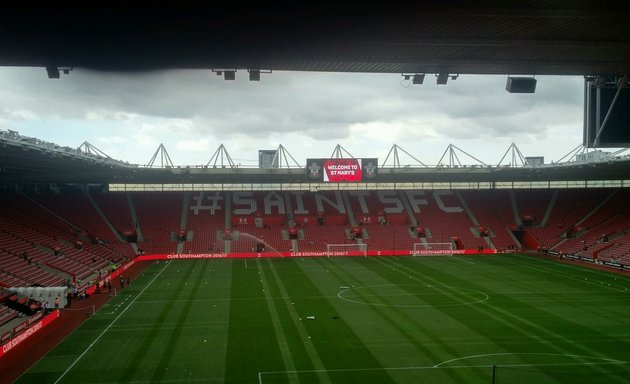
{"points": [[319, 106]]}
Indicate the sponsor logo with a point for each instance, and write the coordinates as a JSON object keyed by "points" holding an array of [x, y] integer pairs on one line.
{"points": [[314, 170], [198, 256], [438, 252], [369, 170], [316, 254]]}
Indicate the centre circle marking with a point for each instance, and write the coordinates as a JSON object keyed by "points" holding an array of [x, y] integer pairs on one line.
{"points": [[431, 290]]}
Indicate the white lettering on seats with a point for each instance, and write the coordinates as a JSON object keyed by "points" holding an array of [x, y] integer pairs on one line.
{"points": [[299, 202], [244, 198], [415, 200], [360, 195], [386, 197], [337, 204], [437, 195], [213, 207], [273, 199]]}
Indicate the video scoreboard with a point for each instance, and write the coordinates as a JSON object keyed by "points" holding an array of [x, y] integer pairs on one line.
{"points": [[341, 170]]}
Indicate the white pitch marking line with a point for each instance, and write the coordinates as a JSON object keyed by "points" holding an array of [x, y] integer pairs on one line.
{"points": [[427, 367], [528, 353], [108, 327], [340, 295]]}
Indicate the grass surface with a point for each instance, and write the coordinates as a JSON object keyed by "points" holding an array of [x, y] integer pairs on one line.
{"points": [[376, 320]]}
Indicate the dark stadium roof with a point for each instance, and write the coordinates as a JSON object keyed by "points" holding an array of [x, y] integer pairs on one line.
{"points": [[27, 163], [554, 37], [577, 37]]}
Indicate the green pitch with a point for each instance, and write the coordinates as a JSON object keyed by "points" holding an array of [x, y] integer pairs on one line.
{"points": [[354, 320]]}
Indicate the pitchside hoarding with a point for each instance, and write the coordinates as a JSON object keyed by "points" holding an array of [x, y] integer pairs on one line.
{"points": [[341, 170]]}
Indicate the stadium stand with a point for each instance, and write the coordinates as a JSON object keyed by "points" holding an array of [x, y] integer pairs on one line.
{"points": [[73, 236], [16, 310], [570, 207], [445, 218], [316, 238], [257, 221], [115, 207], [203, 227], [494, 212], [76, 210], [532, 205], [159, 216], [54, 240], [599, 230], [49, 249], [6, 314]]}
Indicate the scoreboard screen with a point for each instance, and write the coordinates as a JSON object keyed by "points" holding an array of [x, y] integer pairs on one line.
{"points": [[341, 170]]}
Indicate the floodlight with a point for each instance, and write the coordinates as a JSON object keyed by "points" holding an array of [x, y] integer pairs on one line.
{"points": [[418, 78], [254, 74], [442, 78], [228, 74], [53, 72]]}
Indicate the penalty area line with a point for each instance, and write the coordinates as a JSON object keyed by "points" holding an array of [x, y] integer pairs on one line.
{"points": [[108, 327], [437, 367]]}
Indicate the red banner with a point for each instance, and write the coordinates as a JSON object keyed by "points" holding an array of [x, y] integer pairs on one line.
{"points": [[337, 170], [314, 254], [29, 332], [114, 274]]}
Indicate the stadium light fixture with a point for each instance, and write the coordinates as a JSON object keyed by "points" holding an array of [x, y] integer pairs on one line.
{"points": [[416, 78], [442, 78], [228, 74], [254, 74], [54, 72]]}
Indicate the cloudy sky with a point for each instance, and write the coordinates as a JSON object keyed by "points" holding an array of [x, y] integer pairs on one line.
{"points": [[192, 112]]}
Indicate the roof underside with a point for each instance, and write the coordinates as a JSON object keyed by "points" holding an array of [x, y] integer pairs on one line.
{"points": [[484, 37], [555, 37]]}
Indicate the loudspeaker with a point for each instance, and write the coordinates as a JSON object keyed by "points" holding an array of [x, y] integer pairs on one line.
{"points": [[53, 72], [521, 85], [254, 75]]}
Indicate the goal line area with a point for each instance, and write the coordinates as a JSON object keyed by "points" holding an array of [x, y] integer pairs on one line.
{"points": [[355, 249], [584, 372]]}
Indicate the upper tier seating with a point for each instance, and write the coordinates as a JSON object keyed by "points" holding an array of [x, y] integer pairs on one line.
{"points": [[79, 230]]}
